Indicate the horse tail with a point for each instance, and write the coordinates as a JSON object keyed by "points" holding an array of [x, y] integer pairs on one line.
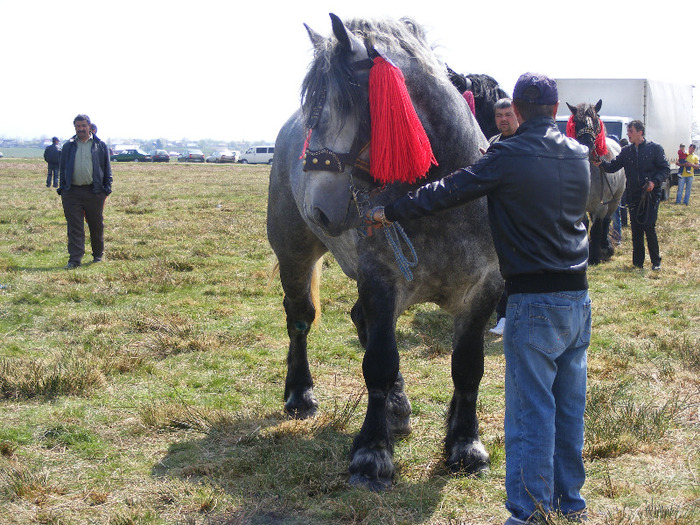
{"points": [[274, 272], [315, 288]]}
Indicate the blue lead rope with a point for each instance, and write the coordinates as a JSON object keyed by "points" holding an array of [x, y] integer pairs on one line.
{"points": [[394, 234]]}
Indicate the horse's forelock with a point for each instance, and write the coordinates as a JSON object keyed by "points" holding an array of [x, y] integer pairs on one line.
{"points": [[330, 80]]}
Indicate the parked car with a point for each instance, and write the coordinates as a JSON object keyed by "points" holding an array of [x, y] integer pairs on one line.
{"points": [[191, 155], [224, 155], [258, 155], [160, 155], [131, 155]]}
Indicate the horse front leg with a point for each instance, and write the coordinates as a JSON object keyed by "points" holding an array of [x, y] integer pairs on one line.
{"points": [[595, 240], [464, 451], [607, 250], [371, 456], [300, 401]]}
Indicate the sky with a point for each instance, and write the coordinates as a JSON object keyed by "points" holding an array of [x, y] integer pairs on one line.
{"points": [[231, 70]]}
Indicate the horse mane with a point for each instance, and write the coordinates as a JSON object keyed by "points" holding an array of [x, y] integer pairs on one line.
{"points": [[330, 72]]}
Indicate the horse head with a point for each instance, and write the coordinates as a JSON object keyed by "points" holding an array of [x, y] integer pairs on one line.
{"points": [[586, 127], [335, 114], [340, 120]]}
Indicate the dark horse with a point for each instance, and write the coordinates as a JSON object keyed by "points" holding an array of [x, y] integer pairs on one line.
{"points": [[486, 93], [606, 188], [312, 209]]}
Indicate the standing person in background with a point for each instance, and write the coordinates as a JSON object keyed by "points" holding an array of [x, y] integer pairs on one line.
{"points": [[52, 156], [686, 176], [507, 124], [536, 184], [86, 180], [646, 168]]}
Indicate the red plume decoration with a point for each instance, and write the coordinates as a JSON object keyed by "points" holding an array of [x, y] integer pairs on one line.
{"points": [[601, 146], [571, 127], [400, 150]]}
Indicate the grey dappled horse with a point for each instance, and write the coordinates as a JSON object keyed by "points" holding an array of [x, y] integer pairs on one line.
{"points": [[312, 212], [606, 188]]}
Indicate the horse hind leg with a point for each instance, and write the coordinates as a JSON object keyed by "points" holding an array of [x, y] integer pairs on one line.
{"points": [[464, 451], [358, 320], [301, 306]]}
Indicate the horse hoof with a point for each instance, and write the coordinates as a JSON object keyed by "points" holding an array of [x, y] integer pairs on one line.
{"points": [[470, 458], [301, 407], [372, 468], [374, 485]]}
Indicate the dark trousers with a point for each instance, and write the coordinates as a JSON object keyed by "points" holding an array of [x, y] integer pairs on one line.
{"points": [[81, 204], [53, 173], [643, 222]]}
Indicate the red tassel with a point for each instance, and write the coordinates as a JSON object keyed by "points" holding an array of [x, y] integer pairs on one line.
{"points": [[601, 146], [400, 149], [306, 144], [571, 127]]}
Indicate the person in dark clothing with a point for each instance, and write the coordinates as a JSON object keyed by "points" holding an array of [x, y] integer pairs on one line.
{"points": [[507, 124], [52, 156], [86, 180], [537, 184], [646, 167]]}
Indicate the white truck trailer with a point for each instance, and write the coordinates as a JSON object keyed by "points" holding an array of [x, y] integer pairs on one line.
{"points": [[665, 108]]}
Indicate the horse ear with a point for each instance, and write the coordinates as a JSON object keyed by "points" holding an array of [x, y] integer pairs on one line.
{"points": [[316, 39], [571, 108], [599, 105], [348, 41]]}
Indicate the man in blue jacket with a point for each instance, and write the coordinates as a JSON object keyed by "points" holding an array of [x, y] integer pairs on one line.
{"points": [[86, 180], [537, 184]]}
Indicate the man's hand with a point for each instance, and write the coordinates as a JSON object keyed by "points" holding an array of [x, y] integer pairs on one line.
{"points": [[375, 219], [650, 186]]}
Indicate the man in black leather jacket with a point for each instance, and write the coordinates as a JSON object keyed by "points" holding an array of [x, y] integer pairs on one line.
{"points": [[646, 168], [537, 184]]}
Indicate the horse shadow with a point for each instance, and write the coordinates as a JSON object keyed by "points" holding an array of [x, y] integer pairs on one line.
{"points": [[433, 329], [290, 472]]}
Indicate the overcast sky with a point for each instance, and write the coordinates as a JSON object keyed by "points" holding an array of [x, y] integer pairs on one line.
{"points": [[231, 70]]}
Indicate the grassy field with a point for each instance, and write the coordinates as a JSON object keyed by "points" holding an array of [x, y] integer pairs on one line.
{"points": [[147, 389]]}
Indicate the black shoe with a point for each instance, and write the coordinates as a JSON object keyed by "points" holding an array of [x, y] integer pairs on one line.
{"points": [[656, 267], [71, 265], [97, 259]]}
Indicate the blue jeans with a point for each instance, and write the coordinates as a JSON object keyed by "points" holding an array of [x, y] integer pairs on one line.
{"points": [[686, 182], [545, 343]]}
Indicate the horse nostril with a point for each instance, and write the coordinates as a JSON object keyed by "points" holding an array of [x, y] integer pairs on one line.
{"points": [[321, 218]]}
